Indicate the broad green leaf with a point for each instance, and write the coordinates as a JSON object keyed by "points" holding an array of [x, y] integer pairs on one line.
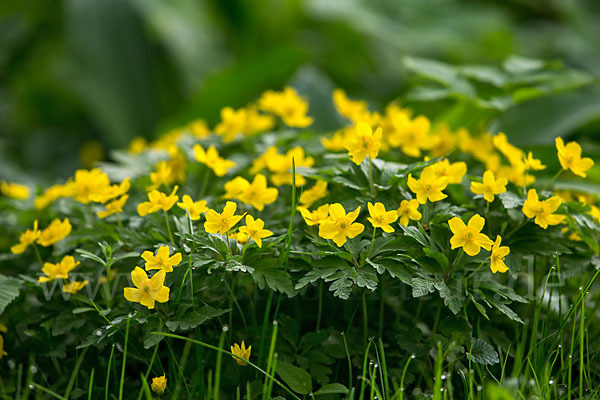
{"points": [[297, 379], [9, 290], [483, 353]]}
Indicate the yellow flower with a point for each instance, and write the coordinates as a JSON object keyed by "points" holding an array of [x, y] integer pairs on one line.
{"points": [[88, 184], [242, 352], [469, 237], [163, 175], [59, 270], [111, 192], [533, 163], [223, 222], [254, 230], [288, 105], [159, 384], [428, 187], [235, 187], [3, 328], [339, 225], [257, 194], [52, 193], [338, 141], [55, 232], [14, 190], [570, 157], [74, 287], [350, 109], [147, 291], [239, 237], [595, 212], [199, 129], [408, 210], [364, 143], [2, 352], [28, 237], [515, 174], [454, 172], [315, 193], [137, 145], [162, 260], [233, 122], [114, 207], [212, 160], [410, 134], [315, 217], [497, 256], [195, 209], [444, 141], [511, 152], [262, 162], [257, 122], [380, 218], [490, 186], [281, 165], [542, 210], [158, 201]]}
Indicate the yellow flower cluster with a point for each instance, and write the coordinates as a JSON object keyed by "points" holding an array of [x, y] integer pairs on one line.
{"points": [[281, 165], [256, 194], [55, 232], [14, 190]]}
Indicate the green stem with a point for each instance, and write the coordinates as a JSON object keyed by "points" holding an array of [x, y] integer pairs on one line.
{"points": [[371, 183], [581, 346], [124, 360], [320, 306], [365, 319], [372, 242], [119, 220], [37, 254], [168, 227], [477, 269], [205, 181], [554, 178]]}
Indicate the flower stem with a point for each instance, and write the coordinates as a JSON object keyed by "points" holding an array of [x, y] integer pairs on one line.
{"points": [[37, 254], [168, 227], [372, 242], [371, 183], [204, 181], [365, 319], [551, 182], [477, 269]]}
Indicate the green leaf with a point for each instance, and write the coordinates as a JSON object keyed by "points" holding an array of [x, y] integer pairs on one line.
{"points": [[90, 255], [510, 200], [314, 275], [297, 379], [275, 279], [9, 290], [422, 287], [438, 256], [483, 353], [332, 388], [452, 293], [195, 318]]}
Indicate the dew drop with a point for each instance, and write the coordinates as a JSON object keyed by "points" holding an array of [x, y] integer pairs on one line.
{"points": [[225, 328], [31, 387], [11, 364], [413, 356], [275, 323], [99, 332], [479, 388], [443, 376], [550, 382], [33, 369]]}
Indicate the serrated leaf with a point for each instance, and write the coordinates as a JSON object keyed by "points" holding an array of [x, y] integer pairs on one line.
{"points": [[483, 353], [9, 290], [438, 256], [453, 295], [314, 275], [510, 200], [276, 279], [421, 287], [193, 319]]}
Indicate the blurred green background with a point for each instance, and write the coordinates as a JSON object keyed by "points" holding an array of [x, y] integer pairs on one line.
{"points": [[75, 72]]}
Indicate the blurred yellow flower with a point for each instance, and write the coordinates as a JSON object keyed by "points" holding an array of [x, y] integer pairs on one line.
{"points": [[287, 105], [110, 192], [314, 194], [235, 187], [212, 160], [114, 207], [158, 201], [2, 352], [281, 166], [533, 163], [161, 260], [74, 287], [55, 232], [88, 184], [14, 190], [257, 194], [233, 123], [194, 208], [199, 129], [28, 237], [137, 145], [348, 108], [411, 135], [147, 291], [454, 172], [59, 270]]}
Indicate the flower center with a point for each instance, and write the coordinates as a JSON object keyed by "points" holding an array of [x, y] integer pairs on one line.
{"points": [[428, 187], [343, 225]]}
